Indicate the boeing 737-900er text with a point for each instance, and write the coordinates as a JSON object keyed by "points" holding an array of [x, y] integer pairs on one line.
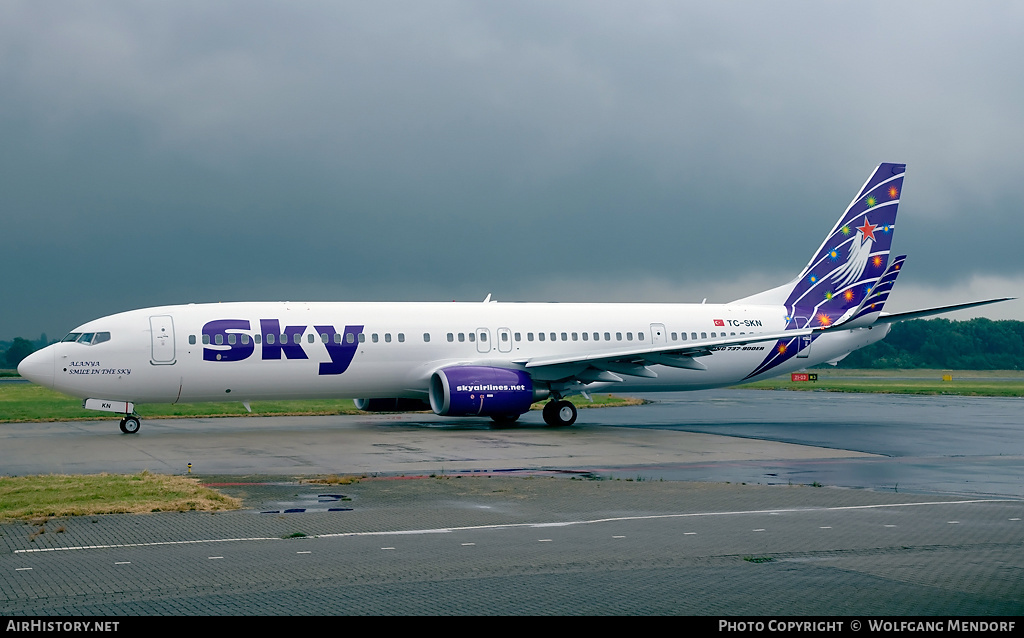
{"points": [[491, 359]]}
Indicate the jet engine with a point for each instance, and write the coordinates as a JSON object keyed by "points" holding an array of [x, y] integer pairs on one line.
{"points": [[482, 391]]}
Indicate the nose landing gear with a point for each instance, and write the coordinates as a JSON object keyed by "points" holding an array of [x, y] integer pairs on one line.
{"points": [[130, 424]]}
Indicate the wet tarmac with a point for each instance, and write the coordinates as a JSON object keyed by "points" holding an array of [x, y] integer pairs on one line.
{"points": [[940, 444], [727, 502]]}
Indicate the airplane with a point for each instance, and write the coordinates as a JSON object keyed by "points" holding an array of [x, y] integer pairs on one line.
{"points": [[491, 359]]}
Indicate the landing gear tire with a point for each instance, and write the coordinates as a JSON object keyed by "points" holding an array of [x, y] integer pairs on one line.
{"points": [[559, 414], [130, 424], [504, 420]]}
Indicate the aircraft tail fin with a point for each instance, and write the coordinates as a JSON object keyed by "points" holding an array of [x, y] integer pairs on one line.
{"points": [[850, 262]]}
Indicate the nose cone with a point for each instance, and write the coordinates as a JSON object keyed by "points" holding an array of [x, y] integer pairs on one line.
{"points": [[38, 367]]}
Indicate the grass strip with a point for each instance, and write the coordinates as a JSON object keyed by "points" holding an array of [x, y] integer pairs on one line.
{"points": [[27, 402], [980, 383], [42, 496]]}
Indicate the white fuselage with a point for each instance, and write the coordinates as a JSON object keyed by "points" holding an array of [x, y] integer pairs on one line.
{"points": [[159, 355]]}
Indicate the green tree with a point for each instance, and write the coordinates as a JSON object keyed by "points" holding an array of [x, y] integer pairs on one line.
{"points": [[20, 349], [976, 344]]}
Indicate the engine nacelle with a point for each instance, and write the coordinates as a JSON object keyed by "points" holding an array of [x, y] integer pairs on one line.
{"points": [[391, 405], [482, 391]]}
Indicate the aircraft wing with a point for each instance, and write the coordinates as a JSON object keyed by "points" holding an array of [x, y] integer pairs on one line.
{"points": [[605, 366]]}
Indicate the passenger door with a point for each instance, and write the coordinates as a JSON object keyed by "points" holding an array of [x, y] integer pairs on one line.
{"points": [[161, 328]]}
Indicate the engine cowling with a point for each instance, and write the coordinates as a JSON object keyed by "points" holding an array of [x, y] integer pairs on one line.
{"points": [[482, 391], [391, 405]]}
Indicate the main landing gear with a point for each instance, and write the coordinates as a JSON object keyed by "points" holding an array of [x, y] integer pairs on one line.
{"points": [[504, 420], [130, 424], [559, 413]]}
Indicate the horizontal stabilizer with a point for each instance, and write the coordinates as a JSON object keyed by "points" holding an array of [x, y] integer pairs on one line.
{"points": [[928, 312]]}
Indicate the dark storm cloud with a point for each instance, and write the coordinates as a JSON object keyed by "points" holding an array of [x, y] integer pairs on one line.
{"points": [[173, 152]]}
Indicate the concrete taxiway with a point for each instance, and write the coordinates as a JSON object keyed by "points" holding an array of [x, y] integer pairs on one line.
{"points": [[503, 527]]}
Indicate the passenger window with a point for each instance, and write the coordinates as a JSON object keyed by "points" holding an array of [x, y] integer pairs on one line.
{"points": [[504, 336], [629, 336], [191, 340], [584, 336], [462, 337], [245, 339], [324, 338], [472, 337], [519, 336], [362, 337], [374, 337], [674, 337], [607, 336], [693, 335], [483, 336], [683, 335], [554, 337], [529, 336], [337, 337], [401, 337], [231, 339], [540, 336], [703, 335], [618, 336], [387, 337], [451, 337], [350, 338], [309, 338], [426, 337], [206, 339], [640, 336], [218, 339], [564, 337]]}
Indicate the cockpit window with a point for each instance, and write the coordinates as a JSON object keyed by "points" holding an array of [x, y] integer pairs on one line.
{"points": [[87, 338]]}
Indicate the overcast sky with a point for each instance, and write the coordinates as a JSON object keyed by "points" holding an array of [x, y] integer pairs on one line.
{"points": [[174, 152]]}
